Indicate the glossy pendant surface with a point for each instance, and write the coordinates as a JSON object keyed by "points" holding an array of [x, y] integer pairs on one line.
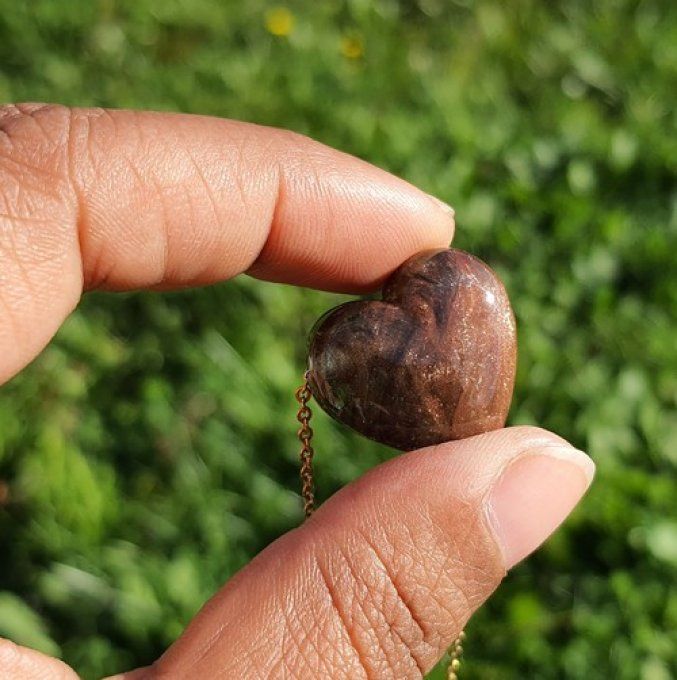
{"points": [[434, 360]]}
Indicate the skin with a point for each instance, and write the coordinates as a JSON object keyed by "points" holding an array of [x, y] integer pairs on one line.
{"points": [[387, 572]]}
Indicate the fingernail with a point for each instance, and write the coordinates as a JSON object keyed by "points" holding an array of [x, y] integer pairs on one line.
{"points": [[441, 204], [534, 495]]}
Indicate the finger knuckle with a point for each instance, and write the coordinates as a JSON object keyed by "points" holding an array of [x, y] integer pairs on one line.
{"points": [[13, 113], [31, 127], [403, 593], [37, 212], [33, 155], [390, 635]]}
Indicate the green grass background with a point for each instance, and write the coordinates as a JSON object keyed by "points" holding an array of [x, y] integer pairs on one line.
{"points": [[150, 451]]}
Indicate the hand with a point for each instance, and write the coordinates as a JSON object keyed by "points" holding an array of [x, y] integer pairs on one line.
{"points": [[384, 576]]}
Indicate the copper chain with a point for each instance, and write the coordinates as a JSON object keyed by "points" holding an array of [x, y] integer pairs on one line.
{"points": [[305, 435], [455, 652]]}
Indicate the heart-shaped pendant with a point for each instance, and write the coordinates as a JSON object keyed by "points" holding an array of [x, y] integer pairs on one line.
{"points": [[434, 360]]}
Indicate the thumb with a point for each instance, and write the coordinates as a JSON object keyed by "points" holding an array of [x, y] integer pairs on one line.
{"points": [[379, 582]]}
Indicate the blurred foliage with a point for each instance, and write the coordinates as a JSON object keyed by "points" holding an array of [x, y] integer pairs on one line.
{"points": [[150, 452]]}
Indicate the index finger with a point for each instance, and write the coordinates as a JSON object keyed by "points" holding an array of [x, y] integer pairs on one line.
{"points": [[93, 198]]}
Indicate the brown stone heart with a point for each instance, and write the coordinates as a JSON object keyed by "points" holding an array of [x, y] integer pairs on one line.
{"points": [[433, 361]]}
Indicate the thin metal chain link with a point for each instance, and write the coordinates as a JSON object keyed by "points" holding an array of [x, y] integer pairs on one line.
{"points": [[305, 434], [455, 652]]}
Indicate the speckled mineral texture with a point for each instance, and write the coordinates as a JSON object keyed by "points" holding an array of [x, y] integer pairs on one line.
{"points": [[433, 361]]}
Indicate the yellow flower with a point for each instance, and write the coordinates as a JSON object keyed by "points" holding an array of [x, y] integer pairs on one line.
{"points": [[279, 21], [351, 47]]}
